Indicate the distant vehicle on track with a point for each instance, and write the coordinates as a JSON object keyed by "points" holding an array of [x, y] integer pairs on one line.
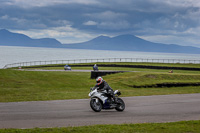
{"points": [[95, 68], [67, 67]]}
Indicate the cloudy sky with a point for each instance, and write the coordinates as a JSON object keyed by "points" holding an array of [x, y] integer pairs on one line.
{"points": [[71, 21]]}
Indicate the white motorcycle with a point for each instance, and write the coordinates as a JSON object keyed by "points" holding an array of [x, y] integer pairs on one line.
{"points": [[100, 100]]}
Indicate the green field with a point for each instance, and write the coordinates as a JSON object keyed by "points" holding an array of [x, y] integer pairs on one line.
{"points": [[57, 85], [174, 127]]}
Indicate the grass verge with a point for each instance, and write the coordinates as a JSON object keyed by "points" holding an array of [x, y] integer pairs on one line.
{"points": [[173, 127]]}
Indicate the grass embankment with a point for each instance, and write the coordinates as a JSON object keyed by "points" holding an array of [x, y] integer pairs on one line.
{"points": [[174, 127], [36, 86]]}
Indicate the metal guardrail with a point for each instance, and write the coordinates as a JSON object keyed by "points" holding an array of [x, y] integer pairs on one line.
{"points": [[35, 63]]}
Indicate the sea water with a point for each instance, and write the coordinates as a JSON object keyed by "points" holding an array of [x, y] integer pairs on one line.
{"points": [[12, 54]]}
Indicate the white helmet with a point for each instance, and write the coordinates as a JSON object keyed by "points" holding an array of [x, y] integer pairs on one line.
{"points": [[99, 80]]}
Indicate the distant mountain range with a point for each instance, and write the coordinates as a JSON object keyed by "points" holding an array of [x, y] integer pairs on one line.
{"points": [[8, 38], [119, 43]]}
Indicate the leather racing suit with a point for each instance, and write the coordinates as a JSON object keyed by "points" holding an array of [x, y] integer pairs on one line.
{"points": [[104, 86]]}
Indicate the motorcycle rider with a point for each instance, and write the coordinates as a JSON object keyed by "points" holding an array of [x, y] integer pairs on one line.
{"points": [[103, 85], [95, 67]]}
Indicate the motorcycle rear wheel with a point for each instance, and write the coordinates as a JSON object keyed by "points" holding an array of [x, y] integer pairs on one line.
{"points": [[95, 106], [121, 105]]}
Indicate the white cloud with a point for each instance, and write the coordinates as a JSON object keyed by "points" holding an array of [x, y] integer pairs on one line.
{"points": [[22, 22], [42, 3], [118, 25], [65, 34], [5, 17], [90, 23], [183, 3], [107, 15], [173, 39]]}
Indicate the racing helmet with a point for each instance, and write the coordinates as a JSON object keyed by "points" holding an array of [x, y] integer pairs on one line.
{"points": [[99, 80]]}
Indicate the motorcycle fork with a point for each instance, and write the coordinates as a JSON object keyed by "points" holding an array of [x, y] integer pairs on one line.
{"points": [[97, 100]]}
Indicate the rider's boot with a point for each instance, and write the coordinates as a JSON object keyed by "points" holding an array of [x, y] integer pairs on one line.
{"points": [[114, 99]]}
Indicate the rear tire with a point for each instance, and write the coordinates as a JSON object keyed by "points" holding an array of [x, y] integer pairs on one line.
{"points": [[121, 105], [95, 106]]}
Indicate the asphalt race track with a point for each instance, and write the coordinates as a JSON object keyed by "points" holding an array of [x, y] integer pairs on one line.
{"points": [[62, 113]]}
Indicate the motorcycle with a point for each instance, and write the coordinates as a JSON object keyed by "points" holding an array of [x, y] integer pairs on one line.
{"points": [[100, 100], [95, 68]]}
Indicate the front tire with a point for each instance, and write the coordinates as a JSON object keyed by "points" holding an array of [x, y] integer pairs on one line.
{"points": [[96, 106], [121, 105]]}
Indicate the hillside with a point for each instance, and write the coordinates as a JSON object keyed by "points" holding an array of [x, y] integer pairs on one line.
{"points": [[118, 43], [8, 38], [132, 43]]}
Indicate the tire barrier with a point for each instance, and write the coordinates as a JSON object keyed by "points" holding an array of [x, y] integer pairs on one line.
{"points": [[95, 74], [150, 67]]}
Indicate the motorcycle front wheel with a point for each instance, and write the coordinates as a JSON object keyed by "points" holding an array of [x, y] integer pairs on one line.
{"points": [[96, 106], [121, 105]]}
